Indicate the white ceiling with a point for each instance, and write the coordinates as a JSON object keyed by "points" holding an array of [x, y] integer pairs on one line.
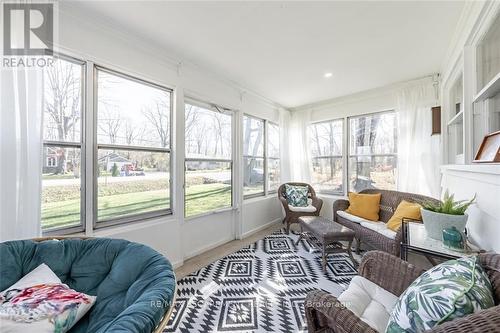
{"points": [[282, 49]]}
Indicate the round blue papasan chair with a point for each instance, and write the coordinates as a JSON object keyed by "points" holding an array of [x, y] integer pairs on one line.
{"points": [[135, 285]]}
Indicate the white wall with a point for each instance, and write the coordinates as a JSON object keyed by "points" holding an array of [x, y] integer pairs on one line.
{"points": [[91, 39], [257, 210], [375, 100], [465, 181]]}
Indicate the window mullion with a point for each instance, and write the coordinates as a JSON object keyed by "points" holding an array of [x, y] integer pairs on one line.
{"points": [[133, 148], [345, 156], [89, 147], [266, 174]]}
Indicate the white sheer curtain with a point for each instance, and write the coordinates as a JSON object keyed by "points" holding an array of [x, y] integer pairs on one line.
{"points": [[300, 154], [418, 151], [20, 152]]}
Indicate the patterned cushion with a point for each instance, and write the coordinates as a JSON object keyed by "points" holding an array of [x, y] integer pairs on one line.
{"points": [[296, 195], [447, 291], [39, 302]]}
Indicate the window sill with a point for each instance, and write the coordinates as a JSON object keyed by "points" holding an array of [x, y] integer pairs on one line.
{"points": [[332, 196], [213, 212], [260, 198], [111, 230]]}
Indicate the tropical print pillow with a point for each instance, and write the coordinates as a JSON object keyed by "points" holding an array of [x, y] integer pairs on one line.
{"points": [[296, 195], [32, 305], [447, 291]]}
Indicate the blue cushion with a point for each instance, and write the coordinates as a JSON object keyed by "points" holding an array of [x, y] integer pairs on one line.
{"points": [[133, 283]]}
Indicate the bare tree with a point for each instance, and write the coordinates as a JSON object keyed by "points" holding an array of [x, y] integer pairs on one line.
{"points": [[191, 119], [132, 133], [158, 117], [366, 132], [217, 130], [316, 140], [62, 103], [250, 164], [201, 137], [110, 124]]}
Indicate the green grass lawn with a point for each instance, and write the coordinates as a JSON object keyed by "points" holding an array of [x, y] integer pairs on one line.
{"points": [[206, 197], [253, 189], [199, 199]]}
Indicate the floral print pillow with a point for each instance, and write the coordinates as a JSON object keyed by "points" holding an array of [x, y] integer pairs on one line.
{"points": [[296, 195], [447, 291], [43, 307]]}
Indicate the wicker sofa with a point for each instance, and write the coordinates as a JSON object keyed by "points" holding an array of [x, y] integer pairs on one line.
{"points": [[292, 214], [388, 203], [324, 313]]}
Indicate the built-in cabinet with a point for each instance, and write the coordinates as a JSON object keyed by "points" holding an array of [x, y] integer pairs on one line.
{"points": [[471, 95], [471, 77], [487, 99], [455, 121]]}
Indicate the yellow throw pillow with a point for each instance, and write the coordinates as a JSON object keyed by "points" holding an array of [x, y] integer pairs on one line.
{"points": [[366, 206], [410, 210]]}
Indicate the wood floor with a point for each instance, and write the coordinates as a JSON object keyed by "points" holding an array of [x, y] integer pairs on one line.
{"points": [[202, 260]]}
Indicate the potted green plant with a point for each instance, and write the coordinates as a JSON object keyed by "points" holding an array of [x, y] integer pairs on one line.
{"points": [[445, 214]]}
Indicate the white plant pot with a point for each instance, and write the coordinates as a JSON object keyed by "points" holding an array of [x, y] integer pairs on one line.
{"points": [[435, 223]]}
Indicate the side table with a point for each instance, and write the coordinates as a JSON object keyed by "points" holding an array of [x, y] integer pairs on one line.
{"points": [[415, 239]]}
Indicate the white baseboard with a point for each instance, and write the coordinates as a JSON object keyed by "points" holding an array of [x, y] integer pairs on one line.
{"points": [[207, 248], [259, 228], [224, 241], [177, 264]]}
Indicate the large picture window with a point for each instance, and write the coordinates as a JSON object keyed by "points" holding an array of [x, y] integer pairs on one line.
{"points": [[373, 151], [325, 139], [62, 204], [131, 173], [253, 156], [208, 175], [133, 148]]}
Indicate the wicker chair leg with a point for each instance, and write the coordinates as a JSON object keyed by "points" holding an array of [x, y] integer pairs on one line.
{"points": [[358, 246]]}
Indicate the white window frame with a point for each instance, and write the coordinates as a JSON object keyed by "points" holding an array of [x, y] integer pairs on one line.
{"points": [[214, 108], [348, 152], [263, 157], [346, 147], [89, 152], [78, 145], [266, 140], [342, 157], [103, 146]]}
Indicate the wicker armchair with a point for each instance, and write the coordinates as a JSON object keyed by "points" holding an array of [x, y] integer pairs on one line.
{"points": [[291, 216], [389, 201], [324, 313]]}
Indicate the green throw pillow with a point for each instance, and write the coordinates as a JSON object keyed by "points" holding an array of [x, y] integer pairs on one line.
{"points": [[447, 291], [296, 195]]}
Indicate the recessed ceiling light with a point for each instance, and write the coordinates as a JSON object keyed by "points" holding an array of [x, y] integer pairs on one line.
{"points": [[327, 75]]}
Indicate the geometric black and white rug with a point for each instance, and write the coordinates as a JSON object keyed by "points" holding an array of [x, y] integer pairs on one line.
{"points": [[260, 288]]}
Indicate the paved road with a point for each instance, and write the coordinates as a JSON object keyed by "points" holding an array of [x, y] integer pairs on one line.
{"points": [[217, 176]]}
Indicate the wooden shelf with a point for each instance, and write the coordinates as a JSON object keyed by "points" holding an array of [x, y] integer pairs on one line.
{"points": [[489, 90], [456, 118]]}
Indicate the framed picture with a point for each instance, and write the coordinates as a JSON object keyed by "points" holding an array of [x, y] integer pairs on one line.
{"points": [[489, 151]]}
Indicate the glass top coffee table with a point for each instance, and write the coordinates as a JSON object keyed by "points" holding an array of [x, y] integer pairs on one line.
{"points": [[415, 239]]}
